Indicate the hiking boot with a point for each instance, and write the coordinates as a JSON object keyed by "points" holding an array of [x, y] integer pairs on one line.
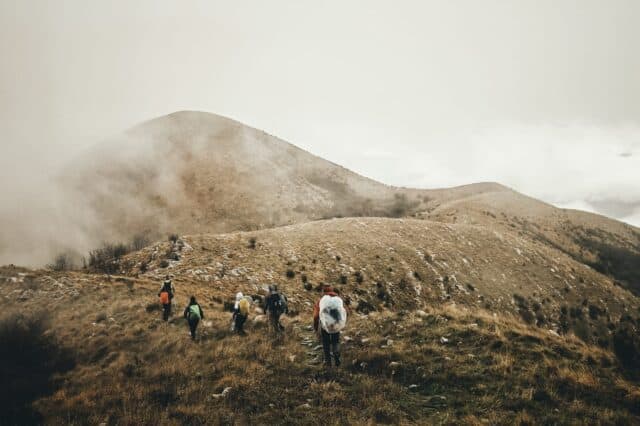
{"points": [[337, 361]]}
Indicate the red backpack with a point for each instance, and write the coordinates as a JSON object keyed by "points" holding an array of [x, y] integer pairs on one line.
{"points": [[164, 297]]}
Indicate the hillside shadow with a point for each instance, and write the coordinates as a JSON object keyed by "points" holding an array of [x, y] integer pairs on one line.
{"points": [[29, 357]]}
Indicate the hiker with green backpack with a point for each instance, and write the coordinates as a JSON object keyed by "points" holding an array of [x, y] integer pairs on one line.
{"points": [[193, 313]]}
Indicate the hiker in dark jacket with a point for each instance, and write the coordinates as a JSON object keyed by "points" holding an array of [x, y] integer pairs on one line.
{"points": [[275, 306], [193, 313], [167, 287]]}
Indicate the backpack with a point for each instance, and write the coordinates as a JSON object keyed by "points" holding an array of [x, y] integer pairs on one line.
{"points": [[333, 315], [164, 297], [243, 307], [279, 303], [194, 312]]}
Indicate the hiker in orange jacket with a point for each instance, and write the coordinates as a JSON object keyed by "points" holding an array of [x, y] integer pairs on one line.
{"points": [[166, 293]]}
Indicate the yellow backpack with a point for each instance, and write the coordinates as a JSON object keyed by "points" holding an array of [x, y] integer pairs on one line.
{"points": [[243, 306]]}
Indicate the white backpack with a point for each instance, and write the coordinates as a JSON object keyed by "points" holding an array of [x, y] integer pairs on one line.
{"points": [[333, 315]]}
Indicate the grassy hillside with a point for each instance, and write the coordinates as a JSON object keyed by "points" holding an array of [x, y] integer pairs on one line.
{"points": [[437, 334]]}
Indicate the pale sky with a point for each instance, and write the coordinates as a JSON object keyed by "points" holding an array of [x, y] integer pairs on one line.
{"points": [[542, 96]]}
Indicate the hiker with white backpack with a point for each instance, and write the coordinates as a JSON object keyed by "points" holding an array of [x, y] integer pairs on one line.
{"points": [[330, 317], [275, 306], [193, 313]]}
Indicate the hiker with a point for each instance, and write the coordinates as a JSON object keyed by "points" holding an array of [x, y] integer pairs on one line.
{"points": [[166, 294], [275, 306], [193, 313], [330, 317], [240, 313]]}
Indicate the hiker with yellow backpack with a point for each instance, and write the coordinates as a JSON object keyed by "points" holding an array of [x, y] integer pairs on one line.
{"points": [[166, 293], [193, 313], [240, 313]]}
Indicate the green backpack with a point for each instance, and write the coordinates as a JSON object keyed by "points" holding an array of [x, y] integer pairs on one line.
{"points": [[194, 312]]}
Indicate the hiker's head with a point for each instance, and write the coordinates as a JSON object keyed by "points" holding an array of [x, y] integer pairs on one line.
{"points": [[192, 300], [270, 288], [167, 277], [239, 296], [327, 289], [274, 287]]}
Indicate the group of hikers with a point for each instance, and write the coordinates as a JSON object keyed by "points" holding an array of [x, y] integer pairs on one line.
{"points": [[329, 315]]}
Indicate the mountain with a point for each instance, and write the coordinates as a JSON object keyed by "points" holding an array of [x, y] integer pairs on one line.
{"points": [[468, 305], [194, 172]]}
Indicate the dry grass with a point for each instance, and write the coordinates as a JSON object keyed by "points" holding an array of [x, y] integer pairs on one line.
{"points": [[132, 368]]}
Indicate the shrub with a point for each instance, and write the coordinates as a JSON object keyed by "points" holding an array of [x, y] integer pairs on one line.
{"points": [[252, 242], [62, 262], [139, 241], [359, 277], [164, 264], [626, 345], [28, 359], [343, 279], [290, 273], [304, 278], [107, 258], [173, 238], [595, 311]]}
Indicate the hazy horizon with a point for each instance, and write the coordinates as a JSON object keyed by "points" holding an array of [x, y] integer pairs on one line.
{"points": [[541, 96]]}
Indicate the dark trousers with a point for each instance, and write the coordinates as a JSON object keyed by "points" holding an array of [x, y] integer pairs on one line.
{"points": [[240, 320], [331, 344], [275, 323], [166, 311], [193, 325]]}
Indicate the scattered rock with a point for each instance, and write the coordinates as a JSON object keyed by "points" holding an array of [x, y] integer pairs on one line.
{"points": [[222, 394]]}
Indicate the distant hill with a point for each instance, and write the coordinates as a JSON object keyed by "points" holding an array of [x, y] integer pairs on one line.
{"points": [[194, 172]]}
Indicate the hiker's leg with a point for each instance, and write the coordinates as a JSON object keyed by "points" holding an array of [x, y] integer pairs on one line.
{"points": [[192, 328], [335, 347], [165, 312], [326, 347], [280, 326], [195, 327], [275, 323], [240, 323]]}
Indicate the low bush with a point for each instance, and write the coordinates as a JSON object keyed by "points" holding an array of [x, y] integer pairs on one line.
{"points": [[139, 241], [252, 242], [626, 345], [106, 259], [62, 262]]}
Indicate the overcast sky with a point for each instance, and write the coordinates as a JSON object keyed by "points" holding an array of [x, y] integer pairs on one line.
{"points": [[543, 96]]}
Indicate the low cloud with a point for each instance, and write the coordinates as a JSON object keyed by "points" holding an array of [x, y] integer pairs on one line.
{"points": [[577, 165]]}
